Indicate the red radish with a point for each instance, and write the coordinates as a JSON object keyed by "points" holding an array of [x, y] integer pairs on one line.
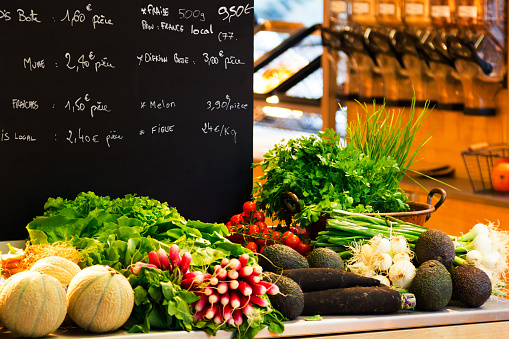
{"points": [[163, 259], [252, 279], [208, 291], [153, 259], [273, 290], [245, 288], [137, 267], [227, 312], [234, 284], [222, 274], [174, 255], [199, 315], [234, 299], [235, 264], [257, 270], [259, 301], [244, 258], [213, 281], [245, 271], [237, 317], [195, 281], [214, 298], [224, 262], [185, 262], [248, 309], [232, 274], [211, 311], [243, 301], [259, 289], [191, 274], [218, 318], [231, 322], [200, 304], [224, 299], [222, 287]]}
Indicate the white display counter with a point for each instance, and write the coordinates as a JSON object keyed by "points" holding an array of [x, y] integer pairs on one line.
{"points": [[489, 321]]}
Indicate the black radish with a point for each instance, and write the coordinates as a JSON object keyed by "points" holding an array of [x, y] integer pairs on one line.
{"points": [[352, 300], [315, 279]]}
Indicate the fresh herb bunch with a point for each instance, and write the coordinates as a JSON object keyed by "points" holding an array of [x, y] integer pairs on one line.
{"points": [[364, 176], [326, 174], [386, 133]]}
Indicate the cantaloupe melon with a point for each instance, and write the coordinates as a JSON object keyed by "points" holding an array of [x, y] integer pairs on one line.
{"points": [[61, 268], [99, 299], [32, 304]]}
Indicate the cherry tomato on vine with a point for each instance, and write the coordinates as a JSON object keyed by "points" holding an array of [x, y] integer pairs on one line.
{"points": [[292, 241], [249, 207], [260, 241], [253, 229], [276, 236], [237, 219], [303, 248], [252, 246], [285, 236], [294, 230], [262, 225], [260, 216], [265, 240]]}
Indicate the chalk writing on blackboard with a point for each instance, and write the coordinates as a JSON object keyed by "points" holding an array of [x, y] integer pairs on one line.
{"points": [[77, 16], [226, 104], [93, 87], [220, 129], [86, 103]]}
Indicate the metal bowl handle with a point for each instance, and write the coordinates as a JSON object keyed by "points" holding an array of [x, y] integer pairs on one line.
{"points": [[431, 193], [291, 202]]}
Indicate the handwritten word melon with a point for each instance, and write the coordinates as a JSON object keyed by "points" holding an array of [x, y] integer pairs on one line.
{"points": [[32, 304], [61, 268], [99, 299]]}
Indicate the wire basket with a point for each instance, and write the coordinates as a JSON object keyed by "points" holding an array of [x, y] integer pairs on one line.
{"points": [[479, 161]]}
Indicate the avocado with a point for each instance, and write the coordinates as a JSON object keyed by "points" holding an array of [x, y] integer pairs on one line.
{"points": [[471, 285], [322, 257], [290, 299], [431, 286], [277, 257], [435, 244]]}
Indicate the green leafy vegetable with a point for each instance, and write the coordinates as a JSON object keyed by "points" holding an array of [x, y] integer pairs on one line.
{"points": [[326, 175]]}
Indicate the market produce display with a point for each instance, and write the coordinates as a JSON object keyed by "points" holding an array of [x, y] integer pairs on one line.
{"points": [[135, 264]]}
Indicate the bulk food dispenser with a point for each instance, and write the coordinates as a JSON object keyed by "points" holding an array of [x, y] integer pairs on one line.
{"points": [[479, 51], [362, 77], [448, 81], [383, 41]]}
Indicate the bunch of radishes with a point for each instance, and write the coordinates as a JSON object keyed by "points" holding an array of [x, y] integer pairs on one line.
{"points": [[228, 293], [166, 261]]}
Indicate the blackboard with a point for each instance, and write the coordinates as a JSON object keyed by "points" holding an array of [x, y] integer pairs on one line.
{"points": [[152, 98]]}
